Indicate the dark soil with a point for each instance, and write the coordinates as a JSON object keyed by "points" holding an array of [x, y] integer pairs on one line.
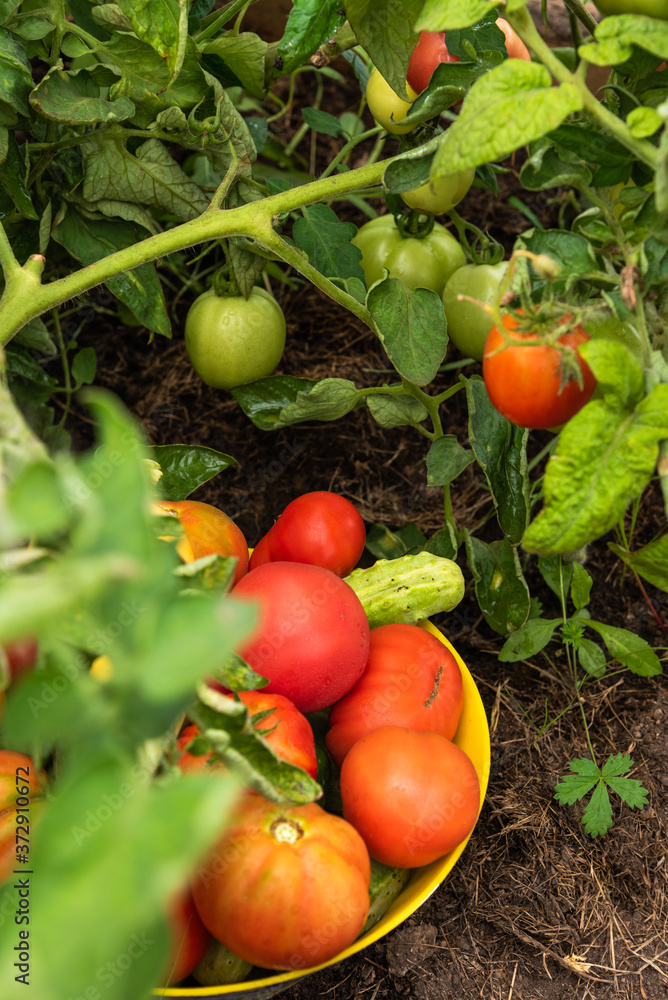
{"points": [[535, 908]]}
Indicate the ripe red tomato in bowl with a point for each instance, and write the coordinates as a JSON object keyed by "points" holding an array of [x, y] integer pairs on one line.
{"points": [[423, 801], [411, 680], [321, 528], [312, 640]]}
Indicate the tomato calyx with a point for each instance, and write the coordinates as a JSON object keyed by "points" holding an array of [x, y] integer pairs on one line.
{"points": [[414, 225]]}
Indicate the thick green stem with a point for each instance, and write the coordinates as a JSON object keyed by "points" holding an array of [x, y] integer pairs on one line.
{"points": [[523, 24], [19, 304]]}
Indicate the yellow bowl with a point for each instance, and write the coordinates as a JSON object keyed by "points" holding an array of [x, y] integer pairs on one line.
{"points": [[473, 737]]}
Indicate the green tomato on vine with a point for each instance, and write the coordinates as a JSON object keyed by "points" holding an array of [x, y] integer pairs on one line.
{"points": [[387, 108]]}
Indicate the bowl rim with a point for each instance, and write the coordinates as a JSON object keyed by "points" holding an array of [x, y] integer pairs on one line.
{"points": [[424, 880]]}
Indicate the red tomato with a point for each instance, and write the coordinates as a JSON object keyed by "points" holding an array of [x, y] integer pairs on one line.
{"points": [[432, 50], [287, 887], [22, 785], [312, 642], [189, 940], [525, 383], [207, 531], [320, 528], [427, 54], [17, 658], [286, 730], [411, 680], [412, 796]]}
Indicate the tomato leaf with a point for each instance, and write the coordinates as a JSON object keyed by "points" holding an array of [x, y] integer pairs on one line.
{"points": [[310, 23], [629, 649], [244, 55], [396, 411], [508, 107], [500, 449], [75, 99], [446, 459], [264, 400], [650, 562], [571, 251], [438, 15], [606, 455], [500, 587], [616, 36], [326, 242], [16, 80], [385, 30], [385, 544], [186, 467], [411, 327], [323, 121]]}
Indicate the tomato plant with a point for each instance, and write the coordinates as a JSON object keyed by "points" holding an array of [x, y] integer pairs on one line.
{"points": [[231, 340], [411, 680], [468, 323], [388, 108], [312, 641], [431, 50], [440, 194], [412, 796], [276, 719], [425, 262], [515, 47], [651, 8], [321, 528], [607, 326], [528, 382], [286, 887], [207, 531], [17, 658]]}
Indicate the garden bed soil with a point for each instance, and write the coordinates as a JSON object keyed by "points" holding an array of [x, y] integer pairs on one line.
{"points": [[535, 909]]}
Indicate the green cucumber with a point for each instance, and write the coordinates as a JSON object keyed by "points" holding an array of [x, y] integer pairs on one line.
{"points": [[409, 589], [385, 885], [220, 966]]}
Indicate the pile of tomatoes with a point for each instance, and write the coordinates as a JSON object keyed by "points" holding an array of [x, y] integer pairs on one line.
{"points": [[385, 705]]}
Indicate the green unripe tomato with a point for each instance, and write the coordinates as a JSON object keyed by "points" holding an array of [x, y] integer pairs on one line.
{"points": [[231, 340], [387, 107], [419, 263], [441, 194], [468, 323], [652, 8]]}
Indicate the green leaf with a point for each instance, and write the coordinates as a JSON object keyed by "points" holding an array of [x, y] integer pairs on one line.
{"points": [[500, 587], [36, 504], [74, 98], [437, 15], [263, 400], [644, 122], [556, 574], [385, 30], [572, 252], [322, 121], [581, 584], [411, 326], [574, 787], [650, 562], [446, 460], [244, 54], [89, 240], [15, 74], [151, 176], [449, 83], [385, 544], [591, 657], [528, 640], [186, 467], [616, 36], [507, 108], [163, 24], [631, 650], [547, 167], [396, 411], [236, 675], [310, 23], [326, 242], [13, 177], [606, 456], [500, 449], [84, 365], [597, 817]]}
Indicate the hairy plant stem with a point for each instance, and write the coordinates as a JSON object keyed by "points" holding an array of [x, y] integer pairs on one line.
{"points": [[25, 297]]}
